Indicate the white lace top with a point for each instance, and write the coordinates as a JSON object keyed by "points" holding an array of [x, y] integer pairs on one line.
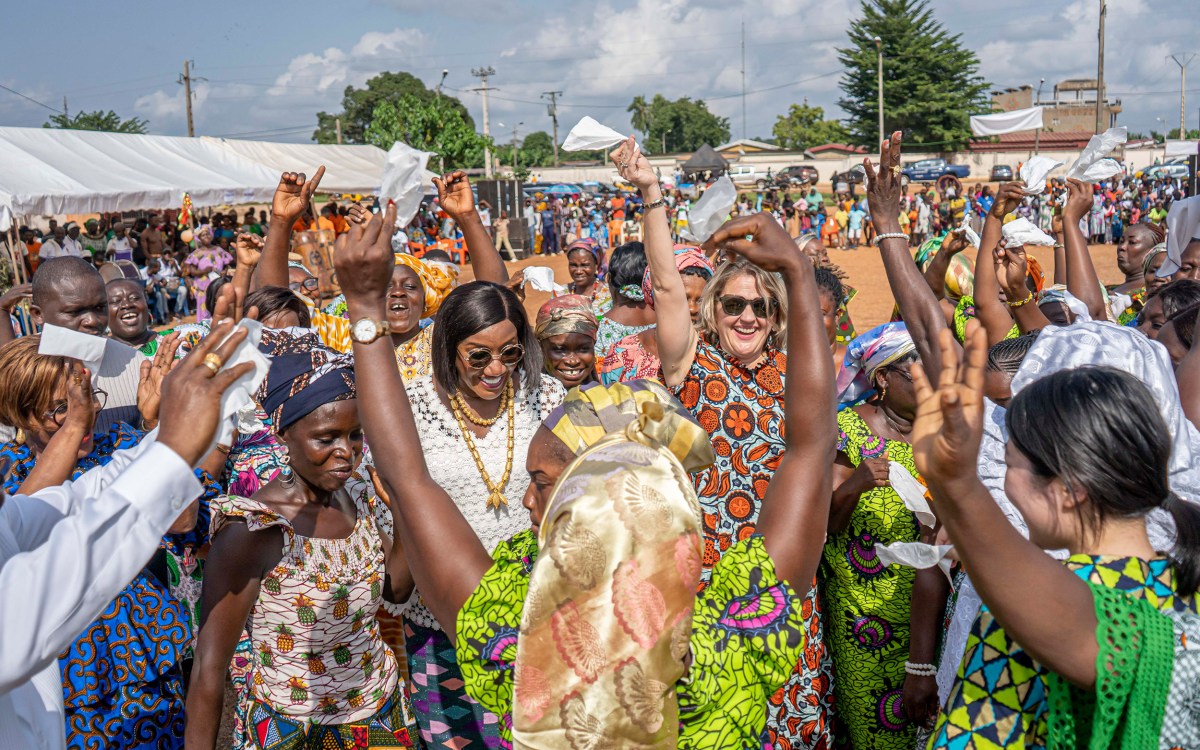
{"points": [[451, 465]]}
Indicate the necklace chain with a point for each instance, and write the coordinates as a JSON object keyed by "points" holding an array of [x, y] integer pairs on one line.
{"points": [[496, 496], [460, 404]]}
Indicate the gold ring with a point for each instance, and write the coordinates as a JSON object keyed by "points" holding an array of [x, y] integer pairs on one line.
{"points": [[212, 362], [623, 165], [895, 169]]}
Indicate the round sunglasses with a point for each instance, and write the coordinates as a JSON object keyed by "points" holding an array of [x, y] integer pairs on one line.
{"points": [[762, 307], [478, 359]]}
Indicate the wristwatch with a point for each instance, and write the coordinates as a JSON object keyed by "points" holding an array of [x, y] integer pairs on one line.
{"points": [[365, 330]]}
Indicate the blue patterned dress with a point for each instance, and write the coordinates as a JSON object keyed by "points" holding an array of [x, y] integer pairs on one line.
{"points": [[123, 676]]}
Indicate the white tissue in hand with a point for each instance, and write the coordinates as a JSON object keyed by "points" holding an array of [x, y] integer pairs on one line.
{"points": [[1035, 171], [588, 135], [911, 492], [711, 211], [916, 555], [241, 394], [64, 342], [541, 279], [968, 232], [1091, 166], [1024, 232], [402, 182]]}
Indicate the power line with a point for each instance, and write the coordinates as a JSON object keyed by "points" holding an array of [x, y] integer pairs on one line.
{"points": [[29, 98]]}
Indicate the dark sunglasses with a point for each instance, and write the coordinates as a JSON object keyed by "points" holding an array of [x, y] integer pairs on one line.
{"points": [[763, 307], [309, 285], [477, 359]]}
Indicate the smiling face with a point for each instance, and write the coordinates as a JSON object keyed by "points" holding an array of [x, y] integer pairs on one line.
{"points": [[78, 302], [743, 336], [487, 383], [128, 313], [326, 445], [405, 300], [581, 265], [570, 357]]}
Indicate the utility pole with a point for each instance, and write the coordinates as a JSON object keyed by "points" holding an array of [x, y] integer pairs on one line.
{"points": [[1101, 99], [445, 72], [514, 147], [337, 123], [879, 72], [1182, 63], [186, 79], [744, 80], [1037, 133], [66, 113], [552, 110], [482, 74]]}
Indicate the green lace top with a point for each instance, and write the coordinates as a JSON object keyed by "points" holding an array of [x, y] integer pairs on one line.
{"points": [[747, 636]]}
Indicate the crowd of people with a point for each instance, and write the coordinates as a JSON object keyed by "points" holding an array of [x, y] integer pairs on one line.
{"points": [[685, 504]]}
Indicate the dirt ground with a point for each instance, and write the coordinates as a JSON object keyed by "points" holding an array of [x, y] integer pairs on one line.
{"points": [[864, 271]]}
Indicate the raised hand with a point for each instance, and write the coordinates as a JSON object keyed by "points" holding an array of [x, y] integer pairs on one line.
{"points": [[883, 187], [955, 242], [1079, 200], [294, 193], [13, 296], [249, 249], [149, 393], [1008, 197], [81, 401], [454, 194], [632, 164], [949, 422], [1012, 267], [516, 283], [760, 240], [363, 257], [358, 214]]}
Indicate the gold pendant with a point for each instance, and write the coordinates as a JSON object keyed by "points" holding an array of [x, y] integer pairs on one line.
{"points": [[496, 499]]}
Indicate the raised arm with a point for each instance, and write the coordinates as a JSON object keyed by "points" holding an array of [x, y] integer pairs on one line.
{"points": [[1008, 570], [1012, 268], [426, 520], [796, 510], [674, 331], [1082, 280], [939, 265], [292, 197], [455, 196], [919, 307], [8, 302], [993, 313]]}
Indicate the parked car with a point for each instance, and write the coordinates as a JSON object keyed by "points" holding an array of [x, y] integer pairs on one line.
{"points": [[855, 175], [1172, 171], [796, 175], [745, 175], [929, 170], [1002, 173]]}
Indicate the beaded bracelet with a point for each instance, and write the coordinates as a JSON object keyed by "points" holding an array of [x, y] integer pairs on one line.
{"points": [[889, 236], [1021, 303], [920, 670]]}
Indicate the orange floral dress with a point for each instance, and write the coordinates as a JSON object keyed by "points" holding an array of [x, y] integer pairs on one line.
{"points": [[742, 411]]}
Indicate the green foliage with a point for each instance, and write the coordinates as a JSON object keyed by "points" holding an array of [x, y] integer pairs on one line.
{"points": [[804, 127], [358, 106], [1172, 135], [679, 125], [537, 150], [931, 85], [437, 125], [108, 121]]}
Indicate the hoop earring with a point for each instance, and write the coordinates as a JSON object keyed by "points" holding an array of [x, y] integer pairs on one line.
{"points": [[287, 477]]}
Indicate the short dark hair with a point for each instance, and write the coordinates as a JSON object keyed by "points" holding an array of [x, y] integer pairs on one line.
{"points": [[1099, 430], [53, 272], [470, 309], [626, 268], [1185, 324], [1178, 295], [441, 255], [274, 299], [1006, 356], [212, 292], [828, 282]]}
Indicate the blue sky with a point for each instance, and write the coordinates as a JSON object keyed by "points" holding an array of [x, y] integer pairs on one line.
{"points": [[272, 66]]}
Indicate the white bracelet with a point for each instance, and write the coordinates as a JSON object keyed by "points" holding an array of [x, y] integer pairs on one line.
{"points": [[889, 236], [920, 670]]}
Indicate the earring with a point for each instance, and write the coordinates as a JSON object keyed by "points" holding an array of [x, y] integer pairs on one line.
{"points": [[883, 391], [287, 477]]}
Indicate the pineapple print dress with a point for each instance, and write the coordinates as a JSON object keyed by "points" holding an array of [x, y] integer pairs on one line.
{"points": [[320, 674]]}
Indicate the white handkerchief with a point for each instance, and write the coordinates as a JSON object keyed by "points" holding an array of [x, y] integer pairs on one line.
{"points": [[916, 555], [972, 237], [1091, 166], [1024, 232], [1183, 225], [241, 393], [402, 182], [541, 279], [911, 492], [1035, 171], [588, 135], [711, 211], [64, 342]]}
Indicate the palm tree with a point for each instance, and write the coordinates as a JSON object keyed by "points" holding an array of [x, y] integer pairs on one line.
{"points": [[639, 115]]}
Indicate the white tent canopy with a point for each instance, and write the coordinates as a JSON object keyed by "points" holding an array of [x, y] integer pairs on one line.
{"points": [[348, 169], [49, 171], [1007, 122]]}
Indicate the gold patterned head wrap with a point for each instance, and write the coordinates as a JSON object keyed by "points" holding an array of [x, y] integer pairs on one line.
{"points": [[608, 616], [568, 313], [438, 279]]}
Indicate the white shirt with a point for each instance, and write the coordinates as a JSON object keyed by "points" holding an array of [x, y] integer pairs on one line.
{"points": [[50, 249], [65, 553], [72, 247], [119, 375]]}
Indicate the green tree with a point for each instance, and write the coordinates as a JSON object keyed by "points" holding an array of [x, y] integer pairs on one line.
{"points": [[437, 125], [358, 106], [108, 121], [804, 127], [931, 85], [677, 125], [537, 150]]}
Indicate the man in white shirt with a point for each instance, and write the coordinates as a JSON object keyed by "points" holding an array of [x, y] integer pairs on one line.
{"points": [[119, 247], [52, 247], [66, 551], [71, 244]]}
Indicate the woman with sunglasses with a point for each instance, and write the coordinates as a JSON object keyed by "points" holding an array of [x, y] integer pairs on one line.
{"points": [[123, 676], [730, 375], [476, 416]]}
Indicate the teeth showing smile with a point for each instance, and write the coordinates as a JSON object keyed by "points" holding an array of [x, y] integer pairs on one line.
{"points": [[492, 383]]}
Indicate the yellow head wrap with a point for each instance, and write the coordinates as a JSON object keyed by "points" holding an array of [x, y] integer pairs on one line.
{"points": [[438, 279]]}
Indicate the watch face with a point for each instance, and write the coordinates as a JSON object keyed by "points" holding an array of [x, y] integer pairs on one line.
{"points": [[364, 330]]}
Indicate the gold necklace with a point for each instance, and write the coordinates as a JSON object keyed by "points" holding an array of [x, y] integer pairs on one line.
{"points": [[460, 403], [496, 496]]}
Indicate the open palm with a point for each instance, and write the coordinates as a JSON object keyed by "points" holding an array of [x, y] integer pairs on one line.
{"points": [[949, 423]]}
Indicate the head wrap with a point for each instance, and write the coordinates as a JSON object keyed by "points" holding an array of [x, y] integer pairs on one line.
{"points": [[1155, 251], [592, 411], [593, 247], [202, 229], [960, 275], [686, 256], [1059, 293], [438, 279], [295, 260], [570, 313], [608, 614], [1183, 226], [878, 347], [304, 376]]}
